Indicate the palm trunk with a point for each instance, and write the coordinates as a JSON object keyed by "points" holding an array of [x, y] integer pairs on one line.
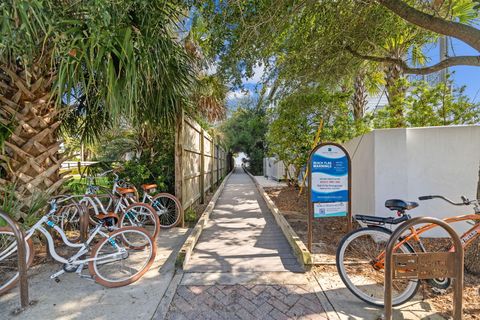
{"points": [[30, 156], [472, 254], [359, 99], [396, 91]]}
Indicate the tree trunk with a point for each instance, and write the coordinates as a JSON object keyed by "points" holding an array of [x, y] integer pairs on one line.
{"points": [[359, 99], [464, 32], [396, 91], [472, 254], [30, 156]]}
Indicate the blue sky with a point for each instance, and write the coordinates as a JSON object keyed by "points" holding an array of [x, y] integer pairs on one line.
{"points": [[462, 76]]}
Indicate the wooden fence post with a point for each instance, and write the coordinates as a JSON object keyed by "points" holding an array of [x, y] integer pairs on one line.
{"points": [[212, 162], [179, 170], [217, 149], [202, 166]]}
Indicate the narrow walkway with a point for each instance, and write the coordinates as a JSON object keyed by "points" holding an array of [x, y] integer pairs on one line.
{"points": [[242, 266], [242, 235]]}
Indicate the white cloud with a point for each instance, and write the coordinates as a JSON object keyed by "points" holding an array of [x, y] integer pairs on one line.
{"points": [[237, 94], [258, 72], [212, 68]]}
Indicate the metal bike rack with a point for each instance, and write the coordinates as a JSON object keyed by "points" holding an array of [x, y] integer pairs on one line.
{"points": [[22, 259], [84, 224], [429, 265]]}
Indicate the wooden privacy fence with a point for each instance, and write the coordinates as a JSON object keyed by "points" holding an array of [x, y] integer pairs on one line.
{"points": [[200, 162]]}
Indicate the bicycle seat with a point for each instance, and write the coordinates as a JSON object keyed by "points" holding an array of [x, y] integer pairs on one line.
{"points": [[125, 190], [148, 186], [400, 205], [113, 215]]}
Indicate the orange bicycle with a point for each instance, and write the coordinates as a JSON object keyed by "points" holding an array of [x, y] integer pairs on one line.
{"points": [[361, 253]]}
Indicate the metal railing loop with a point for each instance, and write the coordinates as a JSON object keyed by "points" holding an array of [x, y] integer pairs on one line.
{"points": [[443, 262], [22, 258]]}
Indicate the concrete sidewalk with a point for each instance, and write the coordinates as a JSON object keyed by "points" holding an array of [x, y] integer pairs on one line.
{"points": [[76, 298]]}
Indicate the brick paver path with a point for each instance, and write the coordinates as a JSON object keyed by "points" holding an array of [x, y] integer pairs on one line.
{"points": [[241, 238], [264, 302]]}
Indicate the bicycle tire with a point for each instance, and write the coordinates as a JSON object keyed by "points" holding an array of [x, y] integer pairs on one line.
{"points": [[106, 278], [69, 221], [173, 207], [362, 273], [8, 284], [148, 219]]}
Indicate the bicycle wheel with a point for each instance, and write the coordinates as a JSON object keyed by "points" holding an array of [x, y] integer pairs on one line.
{"points": [[141, 215], [9, 258], [123, 257], [168, 208], [356, 257], [68, 218]]}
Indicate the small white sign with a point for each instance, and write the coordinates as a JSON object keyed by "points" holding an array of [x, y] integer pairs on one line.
{"points": [[329, 209]]}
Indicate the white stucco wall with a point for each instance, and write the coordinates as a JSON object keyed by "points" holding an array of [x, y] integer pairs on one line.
{"points": [[363, 177], [408, 163]]}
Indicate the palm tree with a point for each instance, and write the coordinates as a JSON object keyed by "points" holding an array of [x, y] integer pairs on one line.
{"points": [[210, 91], [93, 60], [209, 97]]}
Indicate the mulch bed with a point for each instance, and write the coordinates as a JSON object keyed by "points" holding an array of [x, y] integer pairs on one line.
{"points": [[328, 232]]}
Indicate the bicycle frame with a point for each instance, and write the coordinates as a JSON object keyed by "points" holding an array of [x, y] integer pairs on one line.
{"points": [[121, 201], [94, 201], [146, 198], [467, 238], [83, 247]]}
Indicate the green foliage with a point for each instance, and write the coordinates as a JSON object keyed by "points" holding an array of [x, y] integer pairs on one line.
{"points": [[427, 105], [476, 5], [296, 120], [245, 131], [144, 152], [108, 59], [143, 170], [190, 215], [26, 211], [303, 42], [78, 185]]}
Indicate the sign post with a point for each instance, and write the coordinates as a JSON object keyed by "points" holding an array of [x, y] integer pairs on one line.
{"points": [[329, 185]]}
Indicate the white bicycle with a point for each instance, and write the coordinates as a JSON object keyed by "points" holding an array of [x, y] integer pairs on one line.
{"points": [[120, 256], [120, 207], [167, 206]]}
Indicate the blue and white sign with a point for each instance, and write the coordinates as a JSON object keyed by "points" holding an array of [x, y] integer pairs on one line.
{"points": [[329, 185]]}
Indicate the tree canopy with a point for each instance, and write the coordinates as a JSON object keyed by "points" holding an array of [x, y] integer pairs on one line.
{"points": [[303, 41]]}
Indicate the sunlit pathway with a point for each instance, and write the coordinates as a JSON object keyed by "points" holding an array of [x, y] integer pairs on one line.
{"points": [[243, 266], [242, 235]]}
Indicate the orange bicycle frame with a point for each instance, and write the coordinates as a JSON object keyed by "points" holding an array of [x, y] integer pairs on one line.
{"points": [[467, 238]]}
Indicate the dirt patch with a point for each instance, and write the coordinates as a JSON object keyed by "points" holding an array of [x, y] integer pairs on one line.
{"points": [[328, 232]]}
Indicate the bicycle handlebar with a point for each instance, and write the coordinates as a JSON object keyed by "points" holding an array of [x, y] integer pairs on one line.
{"points": [[465, 201]]}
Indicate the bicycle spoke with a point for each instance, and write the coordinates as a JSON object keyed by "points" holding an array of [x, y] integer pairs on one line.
{"points": [[131, 260], [363, 274]]}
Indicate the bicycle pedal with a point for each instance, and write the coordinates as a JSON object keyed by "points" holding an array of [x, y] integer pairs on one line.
{"points": [[87, 277], [56, 275]]}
